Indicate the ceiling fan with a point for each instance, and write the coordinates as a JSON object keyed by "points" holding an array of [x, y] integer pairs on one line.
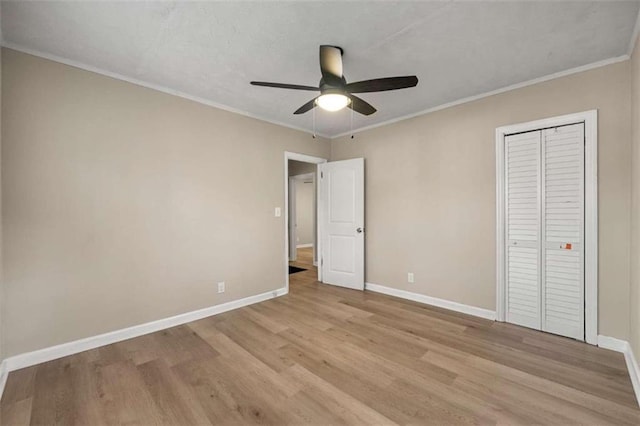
{"points": [[335, 92]]}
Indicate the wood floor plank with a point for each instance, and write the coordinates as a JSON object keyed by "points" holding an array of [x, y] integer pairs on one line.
{"points": [[20, 385], [397, 410], [254, 398], [90, 402], [217, 397], [126, 399], [616, 388], [53, 398], [329, 355], [350, 410], [16, 413], [499, 376], [237, 344], [174, 399]]}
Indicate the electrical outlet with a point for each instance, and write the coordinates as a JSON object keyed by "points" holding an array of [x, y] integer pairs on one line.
{"points": [[410, 277], [221, 287]]}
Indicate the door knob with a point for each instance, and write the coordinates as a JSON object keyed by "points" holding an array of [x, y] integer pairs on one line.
{"points": [[359, 230]]}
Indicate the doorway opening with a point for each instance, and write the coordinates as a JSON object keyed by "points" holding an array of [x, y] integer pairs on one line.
{"points": [[303, 228], [302, 243], [339, 213]]}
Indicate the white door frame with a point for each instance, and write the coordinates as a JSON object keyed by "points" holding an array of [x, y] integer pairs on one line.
{"points": [[306, 159], [590, 120]]}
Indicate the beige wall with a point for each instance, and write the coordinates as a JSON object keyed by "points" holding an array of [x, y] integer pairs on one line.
{"points": [[304, 211], [297, 168], [430, 191], [634, 300], [117, 206], [300, 168], [123, 205]]}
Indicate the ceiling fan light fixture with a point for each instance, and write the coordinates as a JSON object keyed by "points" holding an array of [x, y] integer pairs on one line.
{"points": [[332, 101]]}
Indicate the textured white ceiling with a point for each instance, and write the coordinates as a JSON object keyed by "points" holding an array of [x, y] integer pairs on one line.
{"points": [[211, 50]]}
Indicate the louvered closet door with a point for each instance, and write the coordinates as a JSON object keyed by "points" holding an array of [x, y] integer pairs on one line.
{"points": [[522, 156], [563, 230]]}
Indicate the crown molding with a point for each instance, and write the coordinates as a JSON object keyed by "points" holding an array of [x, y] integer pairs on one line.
{"points": [[153, 86], [207, 102], [634, 36], [553, 76]]}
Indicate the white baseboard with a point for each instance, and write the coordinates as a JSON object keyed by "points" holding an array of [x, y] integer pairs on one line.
{"points": [[28, 359], [623, 346], [441, 303], [4, 373], [304, 245], [612, 343]]}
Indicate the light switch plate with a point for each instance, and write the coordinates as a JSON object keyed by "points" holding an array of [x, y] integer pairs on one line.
{"points": [[278, 212]]}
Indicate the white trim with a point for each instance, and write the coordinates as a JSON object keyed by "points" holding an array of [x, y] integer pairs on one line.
{"points": [[560, 74], [65, 349], [304, 245], [433, 301], [203, 101], [305, 159], [634, 36], [500, 234], [612, 343], [148, 85], [304, 176], [634, 370], [4, 374], [591, 226], [544, 123], [590, 120], [624, 347]]}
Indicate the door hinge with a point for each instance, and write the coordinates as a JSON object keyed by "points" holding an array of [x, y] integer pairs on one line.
{"points": [[321, 175], [321, 261]]}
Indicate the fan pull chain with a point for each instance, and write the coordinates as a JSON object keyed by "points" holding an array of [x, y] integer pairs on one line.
{"points": [[313, 114], [351, 123]]}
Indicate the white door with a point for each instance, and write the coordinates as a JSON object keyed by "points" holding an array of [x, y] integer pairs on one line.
{"points": [[563, 230], [545, 230], [522, 155], [342, 218]]}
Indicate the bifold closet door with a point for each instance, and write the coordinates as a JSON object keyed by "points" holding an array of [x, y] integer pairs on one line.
{"points": [[522, 165], [545, 230], [563, 230]]}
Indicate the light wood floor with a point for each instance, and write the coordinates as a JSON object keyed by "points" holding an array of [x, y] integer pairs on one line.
{"points": [[324, 355], [304, 259]]}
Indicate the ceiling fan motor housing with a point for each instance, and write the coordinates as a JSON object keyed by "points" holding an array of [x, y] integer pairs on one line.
{"points": [[332, 88]]}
